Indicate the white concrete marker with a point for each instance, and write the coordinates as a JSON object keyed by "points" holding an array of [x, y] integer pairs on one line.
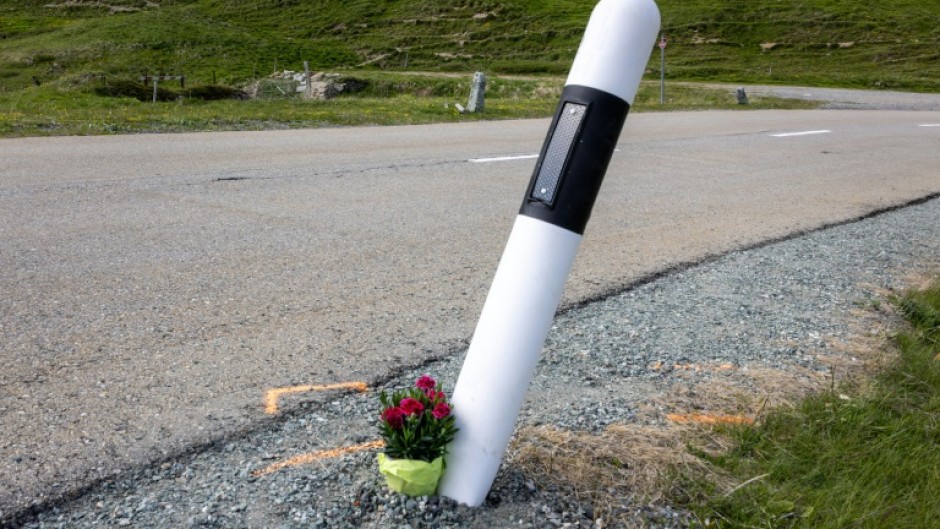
{"points": [[531, 276], [804, 133]]}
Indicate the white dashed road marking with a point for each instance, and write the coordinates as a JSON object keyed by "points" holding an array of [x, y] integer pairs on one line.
{"points": [[503, 158], [510, 158], [804, 133]]}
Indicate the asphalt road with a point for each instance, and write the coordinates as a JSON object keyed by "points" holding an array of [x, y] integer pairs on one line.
{"points": [[153, 287], [837, 98]]}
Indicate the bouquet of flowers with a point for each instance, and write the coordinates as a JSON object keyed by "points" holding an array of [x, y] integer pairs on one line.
{"points": [[417, 424]]}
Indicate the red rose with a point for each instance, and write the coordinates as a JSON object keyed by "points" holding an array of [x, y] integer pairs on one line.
{"points": [[411, 406], [426, 383], [395, 417], [441, 410]]}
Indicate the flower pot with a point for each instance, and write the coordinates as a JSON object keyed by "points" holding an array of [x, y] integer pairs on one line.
{"points": [[410, 476]]}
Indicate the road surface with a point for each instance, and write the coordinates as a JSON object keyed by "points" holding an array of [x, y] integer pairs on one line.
{"points": [[154, 287]]}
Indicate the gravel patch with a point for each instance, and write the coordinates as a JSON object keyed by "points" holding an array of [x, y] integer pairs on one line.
{"points": [[777, 306]]}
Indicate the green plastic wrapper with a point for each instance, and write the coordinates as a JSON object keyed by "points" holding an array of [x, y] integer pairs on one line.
{"points": [[410, 476]]}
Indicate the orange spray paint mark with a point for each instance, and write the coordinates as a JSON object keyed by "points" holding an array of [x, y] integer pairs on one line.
{"points": [[304, 459], [703, 418], [272, 396]]}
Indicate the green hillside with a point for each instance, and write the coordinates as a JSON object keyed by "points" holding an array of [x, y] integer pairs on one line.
{"points": [[58, 58], [894, 43]]}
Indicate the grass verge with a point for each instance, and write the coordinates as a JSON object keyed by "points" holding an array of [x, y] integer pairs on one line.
{"points": [[863, 456], [390, 100]]}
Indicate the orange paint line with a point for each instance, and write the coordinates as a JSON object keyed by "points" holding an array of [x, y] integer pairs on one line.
{"points": [[703, 418], [272, 396], [304, 459]]}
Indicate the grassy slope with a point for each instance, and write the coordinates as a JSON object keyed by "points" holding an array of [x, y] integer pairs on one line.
{"points": [[52, 58], [895, 43], [883, 44]]}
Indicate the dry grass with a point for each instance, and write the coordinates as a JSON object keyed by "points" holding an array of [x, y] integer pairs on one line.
{"points": [[630, 465], [627, 466], [613, 472], [862, 454], [745, 392]]}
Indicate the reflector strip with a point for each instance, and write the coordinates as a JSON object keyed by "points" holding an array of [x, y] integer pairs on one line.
{"points": [[563, 139]]}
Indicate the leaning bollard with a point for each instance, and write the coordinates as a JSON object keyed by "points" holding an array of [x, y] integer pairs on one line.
{"points": [[531, 276], [477, 93]]}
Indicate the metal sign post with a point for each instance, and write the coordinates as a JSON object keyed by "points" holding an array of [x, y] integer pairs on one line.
{"points": [[531, 275]]}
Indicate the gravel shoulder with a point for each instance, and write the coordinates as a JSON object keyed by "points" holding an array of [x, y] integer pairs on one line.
{"points": [[780, 306]]}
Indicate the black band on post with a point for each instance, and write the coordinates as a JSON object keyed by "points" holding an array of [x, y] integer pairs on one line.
{"points": [[574, 158]]}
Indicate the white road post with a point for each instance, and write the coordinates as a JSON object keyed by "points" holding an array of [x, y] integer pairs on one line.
{"points": [[531, 276]]}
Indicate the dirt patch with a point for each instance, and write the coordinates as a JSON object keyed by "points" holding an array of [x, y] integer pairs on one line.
{"points": [[114, 6], [697, 40]]}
